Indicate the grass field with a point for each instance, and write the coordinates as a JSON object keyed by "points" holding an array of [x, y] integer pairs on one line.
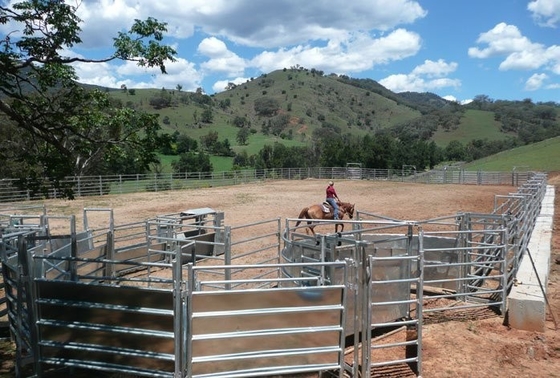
{"points": [[475, 124], [542, 156]]}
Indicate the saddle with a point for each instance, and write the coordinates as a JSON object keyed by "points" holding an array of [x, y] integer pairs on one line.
{"points": [[327, 208]]}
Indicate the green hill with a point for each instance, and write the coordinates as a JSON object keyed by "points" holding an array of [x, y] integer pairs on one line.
{"points": [[475, 124], [541, 156], [307, 99], [290, 105]]}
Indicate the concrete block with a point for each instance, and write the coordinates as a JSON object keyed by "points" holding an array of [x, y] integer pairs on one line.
{"points": [[526, 302]]}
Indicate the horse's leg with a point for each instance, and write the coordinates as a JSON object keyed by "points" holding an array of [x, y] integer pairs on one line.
{"points": [[336, 227], [309, 228]]}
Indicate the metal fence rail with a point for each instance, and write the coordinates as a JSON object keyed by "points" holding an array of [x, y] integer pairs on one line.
{"points": [[121, 184], [471, 257], [120, 325], [274, 330], [401, 348]]}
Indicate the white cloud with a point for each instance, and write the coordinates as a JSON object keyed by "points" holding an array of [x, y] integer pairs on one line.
{"points": [[221, 85], [403, 83], [553, 56], [524, 60], [221, 59], [180, 72], [213, 48], [519, 52], [427, 77], [535, 82], [435, 69], [330, 35], [279, 22], [545, 12], [503, 39], [129, 73], [230, 66], [290, 23], [358, 52], [103, 19], [454, 99], [100, 74]]}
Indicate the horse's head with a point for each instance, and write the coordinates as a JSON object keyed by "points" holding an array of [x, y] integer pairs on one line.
{"points": [[349, 209]]}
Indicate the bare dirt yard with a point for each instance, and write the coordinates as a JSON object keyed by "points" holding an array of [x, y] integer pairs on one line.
{"points": [[469, 348]]}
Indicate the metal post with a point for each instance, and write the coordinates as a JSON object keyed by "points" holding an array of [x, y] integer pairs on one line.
{"points": [[178, 325], [367, 266], [227, 255], [420, 299], [73, 249], [188, 323]]}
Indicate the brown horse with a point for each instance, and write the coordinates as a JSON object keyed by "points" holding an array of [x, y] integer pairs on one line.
{"points": [[345, 209]]}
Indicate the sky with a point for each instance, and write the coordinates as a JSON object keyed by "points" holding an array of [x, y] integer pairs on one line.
{"points": [[457, 49]]}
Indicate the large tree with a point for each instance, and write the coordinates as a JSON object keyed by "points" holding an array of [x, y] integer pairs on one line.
{"points": [[58, 127]]}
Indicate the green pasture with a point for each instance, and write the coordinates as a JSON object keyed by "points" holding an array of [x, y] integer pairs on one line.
{"points": [[195, 180], [475, 124], [220, 163], [542, 156]]}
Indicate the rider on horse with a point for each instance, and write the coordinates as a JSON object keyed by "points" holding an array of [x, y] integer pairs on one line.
{"points": [[332, 198]]}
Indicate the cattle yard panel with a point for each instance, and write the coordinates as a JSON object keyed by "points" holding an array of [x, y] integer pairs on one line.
{"points": [[402, 345], [15, 221], [474, 258], [460, 261], [382, 270], [469, 274], [270, 330], [19, 306], [452, 264], [115, 325]]}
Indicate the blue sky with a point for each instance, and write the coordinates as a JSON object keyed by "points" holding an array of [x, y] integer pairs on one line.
{"points": [[458, 49]]}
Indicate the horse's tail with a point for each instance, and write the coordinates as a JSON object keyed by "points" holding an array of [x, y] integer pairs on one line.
{"points": [[302, 214]]}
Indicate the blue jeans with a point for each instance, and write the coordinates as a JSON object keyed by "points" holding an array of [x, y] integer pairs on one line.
{"points": [[333, 203]]}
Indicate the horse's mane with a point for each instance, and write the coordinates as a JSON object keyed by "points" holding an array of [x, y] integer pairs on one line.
{"points": [[347, 208]]}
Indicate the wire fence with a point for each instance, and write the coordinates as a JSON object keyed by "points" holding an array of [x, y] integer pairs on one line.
{"points": [[84, 186]]}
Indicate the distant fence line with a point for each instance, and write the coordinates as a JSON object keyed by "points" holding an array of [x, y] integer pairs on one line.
{"points": [[157, 182]]}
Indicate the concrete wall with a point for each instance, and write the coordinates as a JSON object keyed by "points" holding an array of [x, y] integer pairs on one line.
{"points": [[526, 303]]}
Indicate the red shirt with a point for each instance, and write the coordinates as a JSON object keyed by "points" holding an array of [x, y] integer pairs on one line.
{"points": [[331, 193]]}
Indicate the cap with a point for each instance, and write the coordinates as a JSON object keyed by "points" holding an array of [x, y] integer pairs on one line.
{"points": [[331, 183]]}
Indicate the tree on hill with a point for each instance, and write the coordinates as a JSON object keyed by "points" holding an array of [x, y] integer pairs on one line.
{"points": [[207, 115], [243, 136], [193, 162], [266, 106], [62, 128]]}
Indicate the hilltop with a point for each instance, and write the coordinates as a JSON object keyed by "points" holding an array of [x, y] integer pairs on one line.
{"points": [[300, 117], [289, 105]]}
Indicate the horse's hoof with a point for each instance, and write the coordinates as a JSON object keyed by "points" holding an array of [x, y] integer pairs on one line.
{"points": [[316, 242], [339, 244]]}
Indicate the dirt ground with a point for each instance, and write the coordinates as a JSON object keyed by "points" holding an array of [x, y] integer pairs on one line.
{"points": [[471, 348]]}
